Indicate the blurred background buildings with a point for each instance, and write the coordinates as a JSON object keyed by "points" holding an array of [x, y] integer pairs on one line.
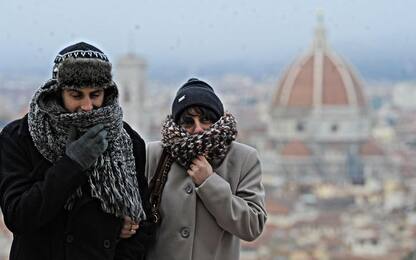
{"points": [[337, 151]]}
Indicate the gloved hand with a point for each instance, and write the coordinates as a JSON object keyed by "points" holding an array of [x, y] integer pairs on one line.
{"points": [[86, 150]]}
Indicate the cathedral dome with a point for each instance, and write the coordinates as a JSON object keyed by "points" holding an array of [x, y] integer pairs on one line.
{"points": [[320, 78]]}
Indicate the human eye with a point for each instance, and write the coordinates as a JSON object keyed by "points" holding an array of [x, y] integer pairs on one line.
{"points": [[96, 94], [75, 94], [205, 120], [187, 122]]}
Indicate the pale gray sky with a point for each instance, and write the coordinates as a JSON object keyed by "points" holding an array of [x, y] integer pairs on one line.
{"points": [[195, 34]]}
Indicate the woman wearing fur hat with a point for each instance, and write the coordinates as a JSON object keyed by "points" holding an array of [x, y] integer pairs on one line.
{"points": [[71, 171], [206, 190]]}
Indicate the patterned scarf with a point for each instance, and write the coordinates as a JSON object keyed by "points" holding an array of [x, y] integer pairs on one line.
{"points": [[112, 178], [213, 143]]}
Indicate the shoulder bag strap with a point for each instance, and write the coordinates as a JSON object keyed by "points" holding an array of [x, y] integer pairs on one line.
{"points": [[158, 183]]}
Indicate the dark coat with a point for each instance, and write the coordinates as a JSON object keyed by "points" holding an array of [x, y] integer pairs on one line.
{"points": [[33, 193]]}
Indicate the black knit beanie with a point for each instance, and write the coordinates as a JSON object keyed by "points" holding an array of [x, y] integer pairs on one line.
{"points": [[196, 93], [82, 65]]}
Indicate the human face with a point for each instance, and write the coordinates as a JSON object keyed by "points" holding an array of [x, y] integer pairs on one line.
{"points": [[193, 123], [84, 99]]}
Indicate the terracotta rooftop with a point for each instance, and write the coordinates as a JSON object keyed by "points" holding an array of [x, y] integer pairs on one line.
{"points": [[371, 148], [295, 148], [277, 207]]}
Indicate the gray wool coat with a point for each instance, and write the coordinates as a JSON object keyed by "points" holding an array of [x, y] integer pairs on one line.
{"points": [[207, 222]]}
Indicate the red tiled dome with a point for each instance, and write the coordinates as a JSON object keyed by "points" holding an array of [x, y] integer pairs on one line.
{"points": [[319, 78]]}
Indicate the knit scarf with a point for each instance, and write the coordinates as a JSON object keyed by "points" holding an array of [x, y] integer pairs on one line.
{"points": [[214, 143], [112, 178]]}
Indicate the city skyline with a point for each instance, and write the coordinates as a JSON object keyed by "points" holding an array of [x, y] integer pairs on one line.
{"points": [[211, 37], [339, 181]]}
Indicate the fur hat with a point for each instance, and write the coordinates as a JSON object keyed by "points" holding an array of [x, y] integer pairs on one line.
{"points": [[82, 65], [196, 93]]}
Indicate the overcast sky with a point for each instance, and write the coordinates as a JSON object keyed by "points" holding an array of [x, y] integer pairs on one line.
{"points": [[196, 34]]}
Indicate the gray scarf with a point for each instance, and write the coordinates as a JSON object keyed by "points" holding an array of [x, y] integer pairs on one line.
{"points": [[112, 178], [214, 143]]}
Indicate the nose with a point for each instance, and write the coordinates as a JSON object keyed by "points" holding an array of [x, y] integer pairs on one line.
{"points": [[198, 127], [86, 104]]}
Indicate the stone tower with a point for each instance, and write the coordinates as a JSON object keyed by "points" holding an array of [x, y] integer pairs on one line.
{"points": [[131, 78]]}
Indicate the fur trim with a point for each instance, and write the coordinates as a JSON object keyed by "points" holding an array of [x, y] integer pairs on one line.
{"points": [[84, 72]]}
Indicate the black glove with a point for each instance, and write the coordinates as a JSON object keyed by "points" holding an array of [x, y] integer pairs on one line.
{"points": [[147, 232], [86, 150]]}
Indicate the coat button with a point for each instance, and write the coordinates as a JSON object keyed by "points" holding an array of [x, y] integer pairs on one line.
{"points": [[107, 244], [69, 239], [189, 188], [185, 232]]}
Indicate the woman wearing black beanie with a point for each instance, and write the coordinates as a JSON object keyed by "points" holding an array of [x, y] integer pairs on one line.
{"points": [[205, 188]]}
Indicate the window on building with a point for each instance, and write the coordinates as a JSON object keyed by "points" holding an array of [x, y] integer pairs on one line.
{"points": [[300, 126]]}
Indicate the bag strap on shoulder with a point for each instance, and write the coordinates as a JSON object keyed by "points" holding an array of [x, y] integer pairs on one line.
{"points": [[158, 183]]}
